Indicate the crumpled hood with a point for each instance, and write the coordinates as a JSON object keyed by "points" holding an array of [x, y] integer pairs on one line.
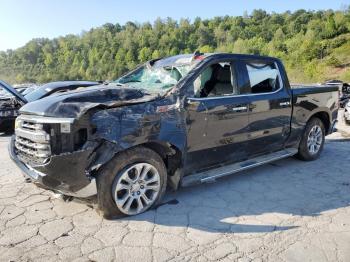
{"points": [[75, 103]]}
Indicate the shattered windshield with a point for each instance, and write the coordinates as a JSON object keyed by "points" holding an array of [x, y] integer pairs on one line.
{"points": [[159, 76]]}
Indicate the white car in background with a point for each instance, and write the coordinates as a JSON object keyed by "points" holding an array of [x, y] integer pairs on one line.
{"points": [[347, 113]]}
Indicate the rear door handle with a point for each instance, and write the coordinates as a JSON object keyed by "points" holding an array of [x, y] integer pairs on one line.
{"points": [[239, 108], [285, 104]]}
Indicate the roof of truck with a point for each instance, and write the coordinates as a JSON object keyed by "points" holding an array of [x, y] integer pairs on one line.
{"points": [[188, 59], [197, 57]]}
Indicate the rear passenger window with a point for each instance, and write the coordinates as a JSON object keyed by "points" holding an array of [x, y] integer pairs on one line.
{"points": [[263, 78]]}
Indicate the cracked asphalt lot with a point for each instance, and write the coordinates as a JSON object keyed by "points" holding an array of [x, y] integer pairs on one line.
{"points": [[286, 211]]}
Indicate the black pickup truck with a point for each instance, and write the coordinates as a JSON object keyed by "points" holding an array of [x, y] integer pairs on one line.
{"points": [[174, 121]]}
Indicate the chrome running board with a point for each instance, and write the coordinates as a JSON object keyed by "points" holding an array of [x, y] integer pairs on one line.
{"points": [[211, 175]]}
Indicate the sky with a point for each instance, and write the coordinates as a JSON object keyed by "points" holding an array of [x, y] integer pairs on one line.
{"points": [[23, 20]]}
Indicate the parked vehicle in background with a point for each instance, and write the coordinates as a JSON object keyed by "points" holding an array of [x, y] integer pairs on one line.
{"points": [[9, 105], [347, 113], [345, 95], [11, 102], [21, 88], [344, 91], [179, 121], [29, 90]]}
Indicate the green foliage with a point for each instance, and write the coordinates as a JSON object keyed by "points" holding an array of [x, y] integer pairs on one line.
{"points": [[310, 43], [333, 61], [346, 76]]}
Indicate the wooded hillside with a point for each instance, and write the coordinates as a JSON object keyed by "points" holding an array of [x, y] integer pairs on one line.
{"points": [[314, 46]]}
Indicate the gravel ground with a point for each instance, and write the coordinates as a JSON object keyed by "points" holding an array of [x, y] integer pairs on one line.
{"points": [[285, 211]]}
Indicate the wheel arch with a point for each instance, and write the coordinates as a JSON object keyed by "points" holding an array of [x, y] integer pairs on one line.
{"points": [[324, 117], [172, 157], [171, 154]]}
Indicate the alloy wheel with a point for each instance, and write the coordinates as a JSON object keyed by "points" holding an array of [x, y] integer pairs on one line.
{"points": [[315, 139], [137, 188]]}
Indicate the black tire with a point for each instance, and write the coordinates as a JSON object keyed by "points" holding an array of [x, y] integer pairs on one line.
{"points": [[111, 172], [304, 152], [6, 130]]}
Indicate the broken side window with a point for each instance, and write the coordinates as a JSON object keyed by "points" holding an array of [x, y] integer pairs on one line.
{"points": [[263, 77]]}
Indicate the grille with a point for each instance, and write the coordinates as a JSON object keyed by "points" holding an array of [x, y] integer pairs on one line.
{"points": [[32, 142]]}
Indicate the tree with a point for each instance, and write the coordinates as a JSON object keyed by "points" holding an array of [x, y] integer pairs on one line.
{"points": [[307, 41], [145, 54]]}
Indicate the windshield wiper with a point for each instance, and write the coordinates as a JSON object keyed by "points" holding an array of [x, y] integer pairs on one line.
{"points": [[132, 81]]}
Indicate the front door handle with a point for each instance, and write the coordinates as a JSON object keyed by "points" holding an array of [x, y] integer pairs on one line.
{"points": [[193, 102]]}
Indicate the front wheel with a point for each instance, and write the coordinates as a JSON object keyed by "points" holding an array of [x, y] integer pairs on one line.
{"points": [[133, 182], [312, 141]]}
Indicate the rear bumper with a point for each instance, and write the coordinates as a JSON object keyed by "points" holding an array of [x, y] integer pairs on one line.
{"points": [[64, 173]]}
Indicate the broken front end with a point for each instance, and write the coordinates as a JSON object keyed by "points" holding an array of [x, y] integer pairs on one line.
{"points": [[53, 153], [65, 154]]}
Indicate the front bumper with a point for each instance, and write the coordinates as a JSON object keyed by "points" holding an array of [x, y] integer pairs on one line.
{"points": [[64, 173]]}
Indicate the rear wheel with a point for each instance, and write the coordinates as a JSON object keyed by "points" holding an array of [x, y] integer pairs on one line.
{"points": [[133, 182], [312, 141]]}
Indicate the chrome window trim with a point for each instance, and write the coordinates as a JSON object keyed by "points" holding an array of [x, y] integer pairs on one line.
{"points": [[244, 95]]}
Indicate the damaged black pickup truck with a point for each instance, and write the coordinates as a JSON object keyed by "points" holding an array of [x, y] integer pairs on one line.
{"points": [[175, 121]]}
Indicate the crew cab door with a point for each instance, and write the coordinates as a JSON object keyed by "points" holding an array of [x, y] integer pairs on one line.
{"points": [[217, 118], [270, 105]]}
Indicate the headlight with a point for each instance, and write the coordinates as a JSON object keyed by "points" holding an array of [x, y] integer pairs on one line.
{"points": [[18, 123]]}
